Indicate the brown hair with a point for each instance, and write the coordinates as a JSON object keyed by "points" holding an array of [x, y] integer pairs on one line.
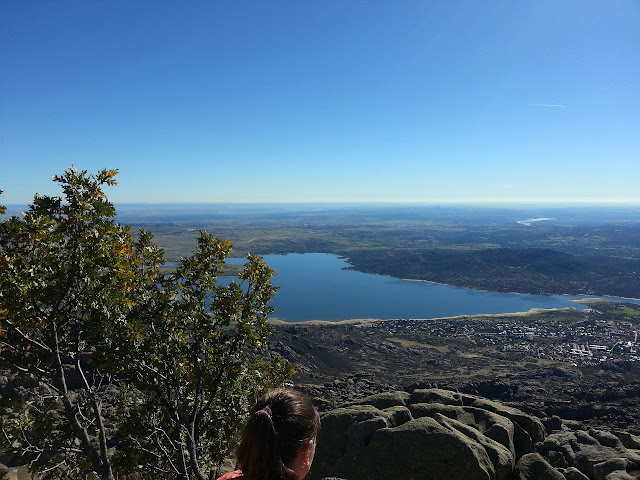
{"points": [[280, 422]]}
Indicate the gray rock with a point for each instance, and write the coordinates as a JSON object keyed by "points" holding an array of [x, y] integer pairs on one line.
{"points": [[552, 424], [597, 454], [384, 400], [501, 457], [572, 425], [421, 449], [602, 470], [4, 471], [493, 426], [607, 439], [620, 475], [533, 466], [532, 425], [556, 459], [343, 430], [422, 441], [436, 395], [522, 441], [398, 415], [440, 434], [628, 440], [572, 473], [359, 434], [590, 452]]}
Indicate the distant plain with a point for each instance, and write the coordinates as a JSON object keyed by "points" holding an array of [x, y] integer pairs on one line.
{"points": [[540, 249]]}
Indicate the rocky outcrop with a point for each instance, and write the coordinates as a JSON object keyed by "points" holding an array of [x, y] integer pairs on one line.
{"points": [[534, 466], [441, 434], [597, 454]]}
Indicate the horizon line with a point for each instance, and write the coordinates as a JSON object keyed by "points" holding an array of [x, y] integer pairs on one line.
{"points": [[388, 202]]}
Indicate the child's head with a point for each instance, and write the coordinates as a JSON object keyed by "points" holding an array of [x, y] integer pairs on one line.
{"points": [[278, 441]]}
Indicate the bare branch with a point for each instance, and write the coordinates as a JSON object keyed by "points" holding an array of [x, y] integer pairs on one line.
{"points": [[97, 413], [79, 430], [153, 371], [53, 468], [26, 338], [32, 369]]}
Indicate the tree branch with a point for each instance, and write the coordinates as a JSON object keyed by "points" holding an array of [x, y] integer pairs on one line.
{"points": [[97, 413], [80, 431], [26, 338]]}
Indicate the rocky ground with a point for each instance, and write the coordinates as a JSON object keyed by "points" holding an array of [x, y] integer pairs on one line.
{"points": [[339, 363], [447, 398], [602, 400], [441, 434]]}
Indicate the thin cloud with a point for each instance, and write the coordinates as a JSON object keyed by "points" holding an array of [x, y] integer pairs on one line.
{"points": [[547, 105]]}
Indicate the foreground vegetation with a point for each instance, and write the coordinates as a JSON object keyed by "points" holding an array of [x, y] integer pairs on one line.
{"points": [[111, 368]]}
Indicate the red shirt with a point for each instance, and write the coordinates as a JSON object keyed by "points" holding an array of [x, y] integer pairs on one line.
{"points": [[230, 475]]}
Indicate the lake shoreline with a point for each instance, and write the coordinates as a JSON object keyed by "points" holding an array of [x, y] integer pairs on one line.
{"points": [[511, 293], [365, 321], [326, 288], [352, 267]]}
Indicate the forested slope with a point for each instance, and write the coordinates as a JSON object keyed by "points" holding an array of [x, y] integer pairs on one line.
{"points": [[523, 270]]}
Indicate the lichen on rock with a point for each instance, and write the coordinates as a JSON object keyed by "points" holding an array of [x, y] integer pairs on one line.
{"points": [[437, 434]]}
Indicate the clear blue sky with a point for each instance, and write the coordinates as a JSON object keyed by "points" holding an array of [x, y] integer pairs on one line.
{"points": [[332, 100]]}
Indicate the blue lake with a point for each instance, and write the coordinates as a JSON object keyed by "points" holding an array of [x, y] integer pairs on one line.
{"points": [[315, 286]]}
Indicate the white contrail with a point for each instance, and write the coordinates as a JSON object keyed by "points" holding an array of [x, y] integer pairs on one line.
{"points": [[546, 105]]}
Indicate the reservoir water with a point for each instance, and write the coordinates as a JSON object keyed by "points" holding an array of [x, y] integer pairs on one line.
{"points": [[315, 286]]}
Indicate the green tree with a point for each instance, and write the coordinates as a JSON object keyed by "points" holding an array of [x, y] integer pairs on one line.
{"points": [[119, 370]]}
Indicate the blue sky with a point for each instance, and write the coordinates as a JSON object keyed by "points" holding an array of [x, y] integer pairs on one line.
{"points": [[324, 101]]}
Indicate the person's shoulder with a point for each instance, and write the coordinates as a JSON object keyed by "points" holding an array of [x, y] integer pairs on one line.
{"points": [[230, 475]]}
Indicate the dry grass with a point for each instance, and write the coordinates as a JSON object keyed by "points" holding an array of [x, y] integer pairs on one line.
{"points": [[411, 343]]}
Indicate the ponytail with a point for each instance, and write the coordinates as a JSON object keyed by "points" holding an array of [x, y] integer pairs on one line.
{"points": [[280, 422]]}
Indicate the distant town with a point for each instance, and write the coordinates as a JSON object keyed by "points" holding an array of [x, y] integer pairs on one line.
{"points": [[482, 346], [587, 343], [576, 364]]}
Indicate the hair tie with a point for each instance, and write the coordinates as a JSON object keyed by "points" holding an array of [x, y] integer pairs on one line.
{"points": [[268, 410]]}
